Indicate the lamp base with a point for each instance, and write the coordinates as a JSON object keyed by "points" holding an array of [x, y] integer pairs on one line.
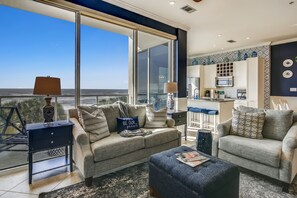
{"points": [[48, 110], [170, 103]]}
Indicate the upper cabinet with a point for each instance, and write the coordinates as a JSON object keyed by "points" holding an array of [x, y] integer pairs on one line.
{"points": [[194, 71], [240, 74], [210, 73]]}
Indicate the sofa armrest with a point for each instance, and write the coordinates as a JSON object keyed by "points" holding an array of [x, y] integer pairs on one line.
{"points": [[223, 130], [83, 156], [290, 140], [288, 168], [170, 122]]}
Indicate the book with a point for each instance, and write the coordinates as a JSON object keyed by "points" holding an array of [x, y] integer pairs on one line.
{"points": [[192, 158]]}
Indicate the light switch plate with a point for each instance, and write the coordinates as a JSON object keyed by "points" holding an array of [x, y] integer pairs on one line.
{"points": [[293, 89]]}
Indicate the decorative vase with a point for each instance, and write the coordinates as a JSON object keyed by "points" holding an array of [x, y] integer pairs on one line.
{"points": [[170, 102], [195, 62], [238, 56]]}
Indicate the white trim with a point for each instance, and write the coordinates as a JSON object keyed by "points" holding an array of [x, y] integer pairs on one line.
{"points": [[230, 50], [147, 14], [284, 41]]}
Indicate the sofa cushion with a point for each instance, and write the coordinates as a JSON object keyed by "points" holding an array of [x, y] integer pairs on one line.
{"points": [[94, 122], [264, 151], [138, 110], [277, 123], [248, 125], [111, 112], [295, 116], [160, 136], [155, 119], [115, 145]]}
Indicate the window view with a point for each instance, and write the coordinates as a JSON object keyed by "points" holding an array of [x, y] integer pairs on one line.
{"points": [[45, 47], [104, 62], [152, 69]]}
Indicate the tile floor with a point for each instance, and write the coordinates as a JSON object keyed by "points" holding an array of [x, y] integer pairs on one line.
{"points": [[14, 182]]}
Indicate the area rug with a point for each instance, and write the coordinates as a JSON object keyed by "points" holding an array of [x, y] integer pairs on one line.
{"points": [[132, 182]]}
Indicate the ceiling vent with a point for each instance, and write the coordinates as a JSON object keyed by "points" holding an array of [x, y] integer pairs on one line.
{"points": [[188, 9], [231, 41]]}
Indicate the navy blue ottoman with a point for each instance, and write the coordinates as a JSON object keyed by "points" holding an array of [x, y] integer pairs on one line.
{"points": [[170, 178]]}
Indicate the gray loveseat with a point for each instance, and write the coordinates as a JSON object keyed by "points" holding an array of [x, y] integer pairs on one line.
{"points": [[114, 151], [271, 157]]}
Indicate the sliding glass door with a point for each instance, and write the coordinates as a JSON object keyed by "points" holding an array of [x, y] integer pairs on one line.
{"points": [[153, 69]]}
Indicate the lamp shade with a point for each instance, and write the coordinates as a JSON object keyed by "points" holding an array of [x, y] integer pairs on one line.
{"points": [[47, 86], [170, 87]]}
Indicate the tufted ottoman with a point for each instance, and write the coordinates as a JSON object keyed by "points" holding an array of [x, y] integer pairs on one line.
{"points": [[169, 178]]}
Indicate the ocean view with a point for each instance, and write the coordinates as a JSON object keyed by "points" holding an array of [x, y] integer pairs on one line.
{"points": [[88, 96]]}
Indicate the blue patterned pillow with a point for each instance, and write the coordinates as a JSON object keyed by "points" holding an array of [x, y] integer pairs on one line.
{"points": [[127, 124]]}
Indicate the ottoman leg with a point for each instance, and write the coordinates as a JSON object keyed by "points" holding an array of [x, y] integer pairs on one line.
{"points": [[154, 193]]}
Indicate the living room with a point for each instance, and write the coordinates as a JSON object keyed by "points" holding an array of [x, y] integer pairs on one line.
{"points": [[200, 62]]}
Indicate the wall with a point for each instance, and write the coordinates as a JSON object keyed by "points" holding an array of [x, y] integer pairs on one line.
{"points": [[262, 51], [283, 60]]}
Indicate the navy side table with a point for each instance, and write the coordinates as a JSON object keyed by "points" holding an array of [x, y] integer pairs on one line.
{"points": [[204, 141]]}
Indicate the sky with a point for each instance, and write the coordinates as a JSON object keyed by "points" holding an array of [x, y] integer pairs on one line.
{"points": [[36, 45]]}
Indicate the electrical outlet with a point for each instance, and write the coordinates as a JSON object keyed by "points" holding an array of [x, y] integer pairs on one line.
{"points": [[293, 89]]}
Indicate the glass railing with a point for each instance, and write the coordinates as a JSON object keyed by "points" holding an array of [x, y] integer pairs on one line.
{"points": [[30, 109]]}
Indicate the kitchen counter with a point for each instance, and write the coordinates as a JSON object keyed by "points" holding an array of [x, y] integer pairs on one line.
{"points": [[216, 99], [224, 106]]}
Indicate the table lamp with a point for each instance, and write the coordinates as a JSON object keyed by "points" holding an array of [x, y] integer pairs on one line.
{"points": [[48, 86], [170, 88]]}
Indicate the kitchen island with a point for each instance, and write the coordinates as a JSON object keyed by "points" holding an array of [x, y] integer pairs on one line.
{"points": [[224, 106]]}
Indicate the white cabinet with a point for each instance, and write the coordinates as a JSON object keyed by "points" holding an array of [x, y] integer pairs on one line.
{"points": [[210, 73], [255, 82], [240, 74], [194, 71]]}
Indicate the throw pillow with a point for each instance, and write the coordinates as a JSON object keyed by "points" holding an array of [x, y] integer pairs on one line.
{"points": [[124, 109], [94, 122], [127, 124], [277, 123], [248, 125], [155, 119], [140, 111], [111, 112]]}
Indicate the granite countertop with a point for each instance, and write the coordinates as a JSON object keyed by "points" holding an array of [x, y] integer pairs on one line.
{"points": [[214, 100]]}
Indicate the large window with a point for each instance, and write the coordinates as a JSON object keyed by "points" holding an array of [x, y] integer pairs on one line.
{"points": [[42, 40], [33, 44], [153, 69], [104, 62]]}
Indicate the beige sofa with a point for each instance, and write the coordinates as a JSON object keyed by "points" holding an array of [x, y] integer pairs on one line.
{"points": [[115, 151], [271, 157]]}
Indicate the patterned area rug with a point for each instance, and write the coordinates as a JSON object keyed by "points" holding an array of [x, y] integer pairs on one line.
{"points": [[132, 182]]}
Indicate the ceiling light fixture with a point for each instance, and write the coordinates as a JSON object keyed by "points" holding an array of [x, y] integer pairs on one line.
{"points": [[219, 35], [172, 2], [214, 45], [222, 48], [247, 38]]}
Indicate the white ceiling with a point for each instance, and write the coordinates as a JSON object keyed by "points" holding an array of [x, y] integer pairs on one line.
{"points": [[261, 20]]}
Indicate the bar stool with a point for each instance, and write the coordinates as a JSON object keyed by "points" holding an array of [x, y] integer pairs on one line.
{"points": [[209, 113], [193, 114]]}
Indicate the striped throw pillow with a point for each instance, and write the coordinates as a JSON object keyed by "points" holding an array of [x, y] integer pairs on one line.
{"points": [[94, 122], [155, 119], [248, 125]]}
